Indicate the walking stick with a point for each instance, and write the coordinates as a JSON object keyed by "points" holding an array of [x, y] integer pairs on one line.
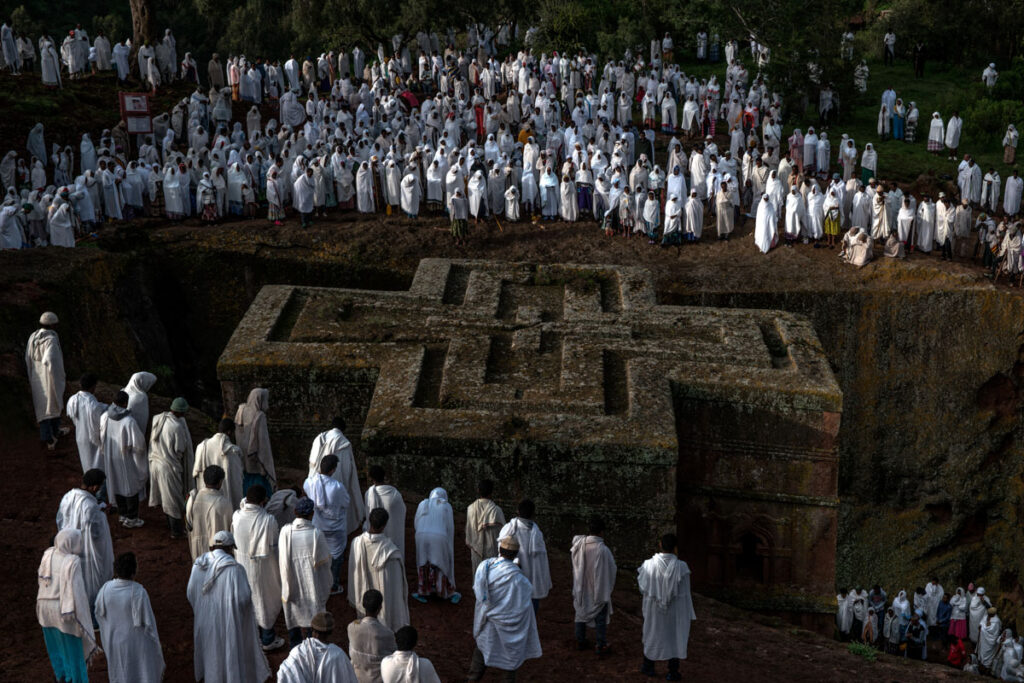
{"points": [[500, 229]]}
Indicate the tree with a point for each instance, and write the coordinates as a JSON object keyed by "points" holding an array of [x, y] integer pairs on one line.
{"points": [[143, 27]]}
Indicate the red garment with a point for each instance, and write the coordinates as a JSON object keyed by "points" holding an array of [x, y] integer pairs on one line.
{"points": [[957, 654]]}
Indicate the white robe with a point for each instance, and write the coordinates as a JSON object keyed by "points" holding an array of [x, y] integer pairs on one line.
{"points": [[305, 563], [334, 441], [45, 362], [375, 562], [124, 453], [226, 642], [218, 450], [128, 632], [407, 667], [988, 639], [668, 607], [170, 464], [302, 194], [979, 608], [331, 502], [435, 534], [410, 195], [80, 510], [138, 398], [256, 536], [593, 578], [85, 411], [388, 497], [766, 225], [533, 554], [61, 601], [315, 662], [1011, 195], [504, 624], [207, 511]]}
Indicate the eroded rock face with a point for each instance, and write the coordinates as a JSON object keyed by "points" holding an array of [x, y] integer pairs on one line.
{"points": [[570, 385]]}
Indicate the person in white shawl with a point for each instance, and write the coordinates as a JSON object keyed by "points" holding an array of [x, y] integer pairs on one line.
{"points": [[815, 226], [667, 608], [256, 535], [131, 643], [404, 665], [385, 496], [331, 501], [533, 553], [170, 464], [988, 637], [315, 660], [62, 608], [80, 510], [484, 520], [254, 440], [45, 363], [796, 216], [219, 450], [375, 562], [593, 579], [411, 195], [304, 558], [334, 441], [138, 397], [85, 411], [512, 203], [694, 212], [905, 221], [766, 225], [435, 548], [504, 625], [207, 511], [124, 459], [226, 643], [979, 607], [302, 196], [936, 133]]}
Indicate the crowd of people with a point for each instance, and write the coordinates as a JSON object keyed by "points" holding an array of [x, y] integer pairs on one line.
{"points": [[964, 624], [260, 548], [472, 136]]}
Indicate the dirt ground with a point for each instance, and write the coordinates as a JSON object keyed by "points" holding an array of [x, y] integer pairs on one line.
{"points": [[726, 644]]}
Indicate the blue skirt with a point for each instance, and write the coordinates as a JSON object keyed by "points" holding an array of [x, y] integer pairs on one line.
{"points": [[65, 655]]}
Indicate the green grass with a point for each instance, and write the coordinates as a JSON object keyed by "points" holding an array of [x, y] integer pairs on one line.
{"points": [[866, 651]]}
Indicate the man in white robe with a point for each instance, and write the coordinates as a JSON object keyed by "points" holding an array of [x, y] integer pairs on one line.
{"points": [[335, 442], [370, 641], [593, 579], [383, 495], [979, 607], [484, 520], [218, 450], [85, 411], [207, 511], [170, 464], [504, 620], [988, 638], [256, 535], [404, 665], [533, 553], [1011, 195], [45, 362], [375, 562], [667, 607], [80, 510], [254, 440], [226, 643], [131, 643], [953, 129], [331, 502], [305, 562], [316, 660], [124, 459]]}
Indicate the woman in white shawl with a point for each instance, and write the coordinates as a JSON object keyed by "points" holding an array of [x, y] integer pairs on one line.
{"points": [[815, 224], [936, 134], [435, 548], [568, 207], [549, 194], [901, 607], [275, 203], [1010, 144], [978, 608], [435, 186], [253, 438], [905, 225], [512, 204], [477, 191], [128, 628], [364, 189], [62, 607], [206, 199], [138, 397], [411, 195], [868, 163], [988, 638], [766, 224]]}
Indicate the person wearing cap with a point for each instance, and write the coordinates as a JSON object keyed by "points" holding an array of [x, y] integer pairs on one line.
{"points": [[219, 450], [331, 502], [315, 660], [667, 609], [45, 362], [123, 452], [404, 665], [304, 559], [334, 442], [256, 535], [127, 627], [207, 511], [533, 553], [370, 641], [80, 510], [593, 579], [85, 411], [375, 562], [980, 605], [225, 644], [504, 620], [170, 464], [988, 638]]}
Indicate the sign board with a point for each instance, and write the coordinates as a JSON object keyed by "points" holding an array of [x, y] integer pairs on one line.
{"points": [[135, 112]]}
